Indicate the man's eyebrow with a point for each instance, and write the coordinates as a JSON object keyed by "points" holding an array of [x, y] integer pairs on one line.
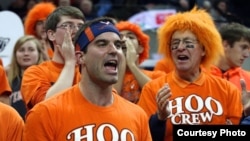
{"points": [[100, 40], [185, 38]]}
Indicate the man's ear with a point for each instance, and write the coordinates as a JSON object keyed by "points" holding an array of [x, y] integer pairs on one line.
{"points": [[79, 57], [225, 44], [51, 35]]}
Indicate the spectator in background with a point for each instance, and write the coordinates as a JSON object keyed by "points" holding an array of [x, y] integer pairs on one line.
{"points": [[27, 51], [11, 124], [88, 9], [193, 44], [123, 9], [34, 24], [19, 7], [206, 4], [242, 10], [221, 12], [64, 3], [236, 42], [43, 81], [182, 5], [136, 50], [31, 4]]}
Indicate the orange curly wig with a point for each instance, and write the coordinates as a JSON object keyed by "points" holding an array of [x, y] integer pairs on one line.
{"points": [[202, 25], [142, 37], [39, 12]]}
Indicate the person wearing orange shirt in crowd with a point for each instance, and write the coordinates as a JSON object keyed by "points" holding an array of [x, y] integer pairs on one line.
{"points": [[11, 124], [61, 72], [5, 89], [34, 24], [189, 93], [163, 65], [92, 109], [236, 42], [27, 51], [136, 49]]}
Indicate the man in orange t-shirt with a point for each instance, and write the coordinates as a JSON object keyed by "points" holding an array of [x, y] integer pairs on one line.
{"points": [[61, 72], [136, 50], [11, 124], [189, 94], [91, 110], [236, 43]]}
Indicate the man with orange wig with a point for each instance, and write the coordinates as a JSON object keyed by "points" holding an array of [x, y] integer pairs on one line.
{"points": [[136, 49], [34, 24], [189, 94]]}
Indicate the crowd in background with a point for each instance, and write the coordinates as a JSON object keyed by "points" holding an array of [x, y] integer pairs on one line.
{"points": [[221, 10]]}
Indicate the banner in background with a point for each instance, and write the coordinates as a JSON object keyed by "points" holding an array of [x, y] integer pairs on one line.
{"points": [[151, 19], [11, 29]]}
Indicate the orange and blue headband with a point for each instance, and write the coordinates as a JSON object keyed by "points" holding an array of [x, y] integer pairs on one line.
{"points": [[89, 34]]}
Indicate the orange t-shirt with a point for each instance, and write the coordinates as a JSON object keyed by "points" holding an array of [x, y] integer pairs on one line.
{"points": [[70, 116], [37, 79], [233, 75], [11, 124], [131, 89], [208, 100], [4, 85], [163, 65]]}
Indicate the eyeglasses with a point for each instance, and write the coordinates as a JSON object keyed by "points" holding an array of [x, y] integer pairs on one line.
{"points": [[188, 43], [70, 26]]}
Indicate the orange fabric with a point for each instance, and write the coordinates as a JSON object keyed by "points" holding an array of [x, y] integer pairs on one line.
{"points": [[89, 34], [38, 79], [4, 86], [131, 89], [11, 124], [233, 75], [50, 52], [208, 100], [163, 65], [70, 116]]}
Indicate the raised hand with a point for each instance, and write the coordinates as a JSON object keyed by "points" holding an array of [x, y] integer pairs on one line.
{"points": [[67, 50], [245, 97], [162, 100], [131, 54]]}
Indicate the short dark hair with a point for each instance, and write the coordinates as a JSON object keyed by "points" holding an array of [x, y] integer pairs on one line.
{"points": [[54, 18], [233, 32]]}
